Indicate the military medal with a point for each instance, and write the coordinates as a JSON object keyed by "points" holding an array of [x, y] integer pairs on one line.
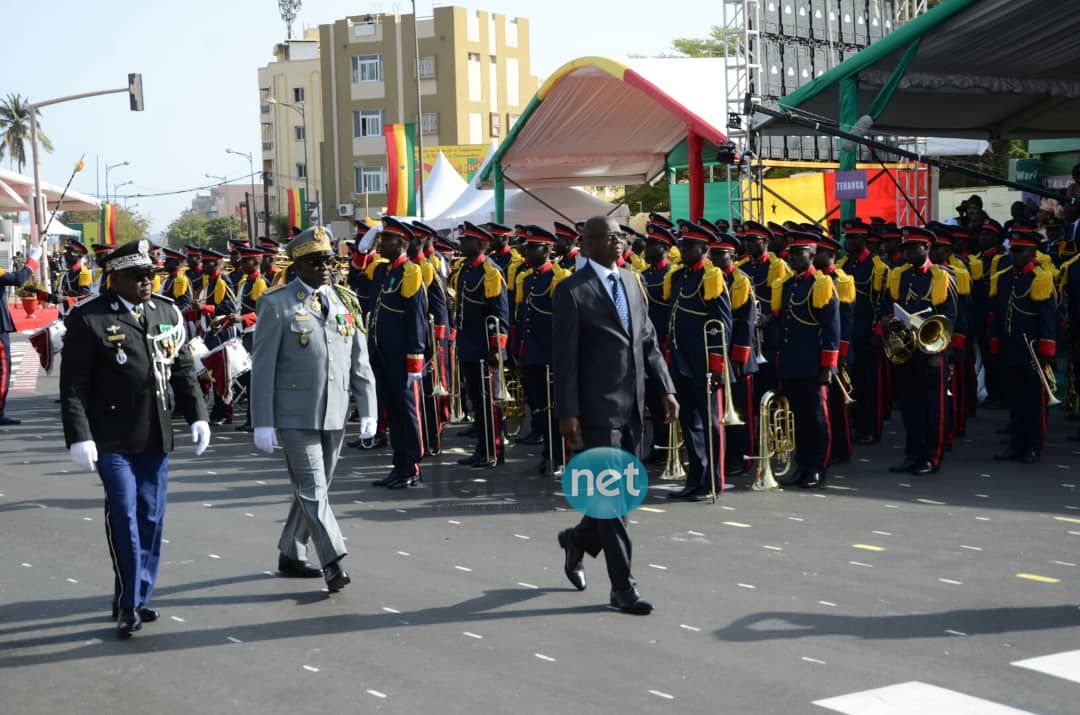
{"points": [[303, 340], [121, 357], [316, 303]]}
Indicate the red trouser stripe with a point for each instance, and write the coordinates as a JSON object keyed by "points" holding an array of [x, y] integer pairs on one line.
{"points": [[5, 378], [824, 391], [719, 454], [940, 447], [421, 414]]}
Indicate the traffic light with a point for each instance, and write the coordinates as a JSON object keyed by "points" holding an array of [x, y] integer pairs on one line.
{"points": [[135, 92]]}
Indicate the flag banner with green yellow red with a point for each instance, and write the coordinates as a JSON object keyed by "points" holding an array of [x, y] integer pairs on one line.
{"points": [[401, 169], [297, 203]]}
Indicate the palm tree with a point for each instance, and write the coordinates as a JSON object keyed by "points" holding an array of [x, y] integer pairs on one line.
{"points": [[15, 129]]}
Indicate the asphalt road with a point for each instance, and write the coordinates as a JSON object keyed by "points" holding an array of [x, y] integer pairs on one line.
{"points": [[881, 594]]}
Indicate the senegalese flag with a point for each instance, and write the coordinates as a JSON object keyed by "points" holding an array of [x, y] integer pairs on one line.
{"points": [[108, 224], [298, 215], [400, 169]]}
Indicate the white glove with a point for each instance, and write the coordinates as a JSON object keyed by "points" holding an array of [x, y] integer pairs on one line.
{"points": [[200, 436], [368, 425], [265, 439], [84, 454]]}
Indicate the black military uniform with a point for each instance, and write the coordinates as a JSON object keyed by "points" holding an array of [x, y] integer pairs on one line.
{"points": [[76, 282], [436, 408], [566, 237], [662, 241], [764, 271]]}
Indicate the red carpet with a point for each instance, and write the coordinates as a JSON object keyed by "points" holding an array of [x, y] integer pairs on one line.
{"points": [[44, 315]]}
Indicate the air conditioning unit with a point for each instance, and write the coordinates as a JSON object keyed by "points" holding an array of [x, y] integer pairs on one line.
{"points": [[345, 210]]}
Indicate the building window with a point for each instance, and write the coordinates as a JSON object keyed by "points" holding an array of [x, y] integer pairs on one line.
{"points": [[513, 73], [265, 109], [367, 68], [299, 133], [298, 94], [301, 171], [475, 90], [495, 121], [511, 32], [476, 128], [511, 120], [367, 123], [268, 146], [371, 180], [429, 123], [427, 68]]}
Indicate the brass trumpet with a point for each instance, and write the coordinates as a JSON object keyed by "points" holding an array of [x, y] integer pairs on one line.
{"points": [[776, 441], [673, 466], [499, 390], [1045, 373], [843, 382], [927, 335]]}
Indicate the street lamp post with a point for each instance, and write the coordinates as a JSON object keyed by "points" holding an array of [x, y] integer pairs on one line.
{"points": [[108, 168], [251, 167], [299, 107], [116, 187]]}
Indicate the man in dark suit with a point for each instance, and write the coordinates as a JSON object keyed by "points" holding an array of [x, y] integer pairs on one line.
{"points": [[7, 325], [122, 352], [607, 346]]}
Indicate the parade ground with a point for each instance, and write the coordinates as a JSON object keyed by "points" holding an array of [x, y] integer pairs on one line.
{"points": [[956, 592]]}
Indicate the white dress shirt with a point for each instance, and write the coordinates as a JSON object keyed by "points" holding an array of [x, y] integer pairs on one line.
{"points": [[604, 274]]}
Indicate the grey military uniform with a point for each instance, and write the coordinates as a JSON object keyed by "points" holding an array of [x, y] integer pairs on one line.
{"points": [[305, 367]]}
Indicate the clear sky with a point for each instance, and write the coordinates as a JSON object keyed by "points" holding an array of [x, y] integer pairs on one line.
{"points": [[199, 62]]}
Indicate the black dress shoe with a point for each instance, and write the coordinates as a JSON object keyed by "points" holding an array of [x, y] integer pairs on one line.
{"points": [[684, 493], [573, 568], [1029, 457], [531, 439], [905, 466], [296, 569], [1007, 455], [813, 480], [147, 614], [246, 427], [6, 421], [630, 601], [793, 477], [127, 622], [924, 467], [471, 460], [385, 481], [402, 481], [336, 577], [737, 469]]}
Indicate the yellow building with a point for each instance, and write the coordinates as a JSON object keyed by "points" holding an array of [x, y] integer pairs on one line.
{"points": [[474, 77], [291, 111]]}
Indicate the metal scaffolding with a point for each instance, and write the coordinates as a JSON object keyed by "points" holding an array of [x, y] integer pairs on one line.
{"points": [[742, 48]]}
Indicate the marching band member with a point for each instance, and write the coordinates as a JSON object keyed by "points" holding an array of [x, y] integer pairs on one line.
{"points": [[1025, 320], [76, 282], [982, 266], [99, 279], [505, 258], [530, 339], [566, 249], [249, 289], [480, 295], [919, 285], [194, 267], [658, 242], [630, 259], [674, 255], [176, 286], [942, 254], [698, 297], [436, 409], [741, 442], [840, 447], [764, 269], [805, 307]]}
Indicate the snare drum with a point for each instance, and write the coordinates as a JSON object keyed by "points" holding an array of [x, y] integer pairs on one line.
{"points": [[198, 350], [236, 357], [47, 342]]}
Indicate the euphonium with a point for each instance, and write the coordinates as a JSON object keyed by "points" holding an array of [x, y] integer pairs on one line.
{"points": [[673, 466], [927, 335], [1046, 374], [499, 392], [776, 440]]}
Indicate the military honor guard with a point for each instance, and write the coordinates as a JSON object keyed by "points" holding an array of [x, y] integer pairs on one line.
{"points": [[397, 340], [958, 393], [807, 311], [840, 388], [481, 317], [503, 255], [658, 242], [436, 376], [250, 287], [530, 342], [919, 288], [99, 279], [310, 356], [1024, 338], [13, 279], [764, 270], [698, 330], [983, 266], [76, 282], [122, 353], [630, 259], [566, 249]]}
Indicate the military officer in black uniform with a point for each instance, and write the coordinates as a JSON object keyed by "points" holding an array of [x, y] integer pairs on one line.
{"points": [[808, 316], [77, 281], [122, 351], [530, 341], [1025, 320], [919, 285], [700, 307], [658, 241]]}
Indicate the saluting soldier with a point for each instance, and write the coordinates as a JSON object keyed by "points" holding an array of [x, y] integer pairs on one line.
{"points": [[764, 269], [807, 311], [1025, 320], [864, 357], [481, 317], [310, 356], [397, 340], [840, 446], [918, 285], [530, 342], [76, 282], [658, 242], [700, 307], [741, 438], [566, 249], [122, 351]]}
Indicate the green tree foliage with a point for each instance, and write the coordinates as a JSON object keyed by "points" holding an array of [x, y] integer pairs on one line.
{"points": [[711, 46], [15, 130], [279, 227], [130, 225], [995, 161], [219, 230], [645, 199], [188, 229]]}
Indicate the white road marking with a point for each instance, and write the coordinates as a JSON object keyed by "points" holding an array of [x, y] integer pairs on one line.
{"points": [[522, 536], [830, 604], [458, 523], [214, 473], [970, 548], [746, 585], [1060, 665], [982, 496], [391, 610], [736, 524], [71, 580], [1063, 563], [311, 669], [913, 697], [813, 660], [178, 619], [26, 565], [541, 656], [231, 639], [933, 502], [376, 693], [466, 569], [891, 506], [214, 556], [403, 553], [695, 533], [527, 585], [473, 635], [259, 481], [660, 694], [904, 484], [951, 581], [955, 633], [400, 511], [693, 629], [772, 548], [248, 513], [882, 533], [658, 566], [860, 563], [982, 518], [984, 475], [795, 518]]}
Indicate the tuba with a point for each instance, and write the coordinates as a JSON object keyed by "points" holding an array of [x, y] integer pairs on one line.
{"points": [[776, 442]]}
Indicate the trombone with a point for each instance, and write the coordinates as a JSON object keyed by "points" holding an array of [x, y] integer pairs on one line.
{"points": [[731, 417], [438, 389], [552, 433], [457, 410], [1045, 373], [500, 392], [776, 440]]}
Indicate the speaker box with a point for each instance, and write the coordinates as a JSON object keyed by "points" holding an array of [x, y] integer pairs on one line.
{"points": [[770, 16], [803, 18], [847, 21], [787, 18]]}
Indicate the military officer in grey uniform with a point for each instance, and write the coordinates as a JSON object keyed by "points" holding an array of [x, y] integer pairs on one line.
{"points": [[309, 356]]}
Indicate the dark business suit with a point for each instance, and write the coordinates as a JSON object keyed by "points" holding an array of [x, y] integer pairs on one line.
{"points": [[599, 372]]}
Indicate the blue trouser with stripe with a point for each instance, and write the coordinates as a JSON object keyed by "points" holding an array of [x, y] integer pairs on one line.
{"points": [[135, 493]]}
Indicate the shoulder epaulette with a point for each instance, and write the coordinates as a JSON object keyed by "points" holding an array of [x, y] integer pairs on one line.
{"points": [[493, 280], [778, 268], [1042, 286], [881, 270], [1066, 268], [842, 262], [668, 277], [638, 262], [824, 290], [412, 279], [940, 280], [777, 294], [741, 261], [427, 271], [370, 270], [894, 280], [220, 290], [559, 275], [712, 283], [740, 289], [845, 286], [258, 288], [975, 268], [994, 279], [674, 255], [86, 278], [180, 285], [519, 284], [962, 276]]}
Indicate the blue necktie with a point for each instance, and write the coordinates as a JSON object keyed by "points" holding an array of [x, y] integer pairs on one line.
{"points": [[621, 306]]}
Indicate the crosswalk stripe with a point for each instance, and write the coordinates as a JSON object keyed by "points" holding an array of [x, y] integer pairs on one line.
{"points": [[1061, 665], [914, 697]]}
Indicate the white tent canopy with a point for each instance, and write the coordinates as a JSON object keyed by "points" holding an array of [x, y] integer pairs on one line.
{"points": [[56, 228], [24, 186], [479, 207], [442, 186]]}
